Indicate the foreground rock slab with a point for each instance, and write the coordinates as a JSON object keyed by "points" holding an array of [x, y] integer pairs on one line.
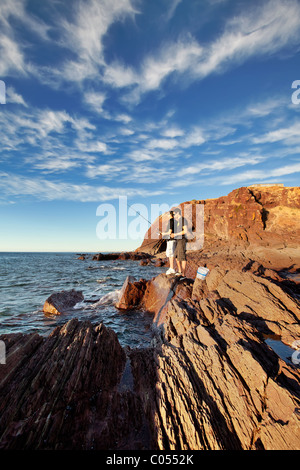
{"points": [[71, 390]]}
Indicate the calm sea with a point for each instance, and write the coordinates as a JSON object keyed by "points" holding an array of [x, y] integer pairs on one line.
{"points": [[28, 279]]}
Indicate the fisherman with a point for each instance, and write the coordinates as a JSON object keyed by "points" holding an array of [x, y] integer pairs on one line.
{"points": [[180, 235], [171, 243]]}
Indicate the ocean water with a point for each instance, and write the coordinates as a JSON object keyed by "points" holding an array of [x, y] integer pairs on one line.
{"points": [[28, 279]]}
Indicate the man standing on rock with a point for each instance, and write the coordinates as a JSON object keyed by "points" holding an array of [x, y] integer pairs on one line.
{"points": [[171, 242], [180, 232]]}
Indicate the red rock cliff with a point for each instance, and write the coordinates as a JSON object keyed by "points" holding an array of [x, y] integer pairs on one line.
{"points": [[267, 216]]}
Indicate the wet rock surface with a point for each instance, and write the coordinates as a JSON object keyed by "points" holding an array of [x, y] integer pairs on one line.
{"points": [[61, 302], [131, 294]]}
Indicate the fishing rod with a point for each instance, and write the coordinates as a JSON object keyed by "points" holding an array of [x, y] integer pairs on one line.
{"points": [[158, 232], [137, 212]]}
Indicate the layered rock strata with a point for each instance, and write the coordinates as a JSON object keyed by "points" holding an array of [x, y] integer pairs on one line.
{"points": [[71, 390], [209, 381]]}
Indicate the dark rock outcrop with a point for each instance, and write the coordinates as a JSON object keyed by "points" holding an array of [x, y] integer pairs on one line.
{"points": [[209, 381], [62, 302], [126, 255], [71, 390], [131, 294]]}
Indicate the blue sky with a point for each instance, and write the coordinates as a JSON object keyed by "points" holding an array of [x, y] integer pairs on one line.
{"points": [[161, 101]]}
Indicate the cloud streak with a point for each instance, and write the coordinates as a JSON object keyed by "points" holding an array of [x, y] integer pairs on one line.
{"points": [[254, 175], [289, 134], [84, 35], [18, 186], [260, 31]]}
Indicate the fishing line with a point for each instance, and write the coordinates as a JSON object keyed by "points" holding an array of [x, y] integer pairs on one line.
{"points": [[130, 207], [157, 231]]}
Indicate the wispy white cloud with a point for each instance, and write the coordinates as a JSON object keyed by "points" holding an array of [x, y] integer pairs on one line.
{"points": [[125, 118], [17, 9], [250, 176], [95, 100], [36, 126], [45, 140], [145, 155], [173, 57], [84, 34], [265, 108], [53, 163], [12, 50], [126, 131], [172, 132], [13, 97], [91, 145], [92, 20], [194, 137], [166, 144], [258, 175], [258, 31], [81, 32], [172, 8], [11, 57], [175, 138], [222, 164], [262, 30], [13, 185], [289, 135], [108, 171]]}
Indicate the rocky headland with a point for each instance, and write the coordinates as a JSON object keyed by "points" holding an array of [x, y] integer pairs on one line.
{"points": [[212, 378]]}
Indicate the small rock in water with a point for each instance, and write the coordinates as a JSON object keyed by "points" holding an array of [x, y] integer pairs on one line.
{"points": [[61, 302]]}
